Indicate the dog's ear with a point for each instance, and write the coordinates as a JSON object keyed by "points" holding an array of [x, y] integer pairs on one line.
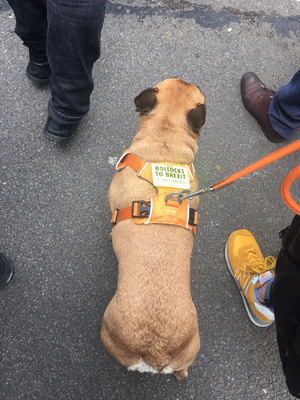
{"points": [[196, 118], [145, 101]]}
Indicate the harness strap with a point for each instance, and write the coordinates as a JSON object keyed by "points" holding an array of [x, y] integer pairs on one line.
{"points": [[128, 159], [132, 161], [132, 211], [140, 211]]}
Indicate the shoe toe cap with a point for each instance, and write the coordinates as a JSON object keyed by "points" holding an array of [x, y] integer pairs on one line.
{"points": [[250, 84]]}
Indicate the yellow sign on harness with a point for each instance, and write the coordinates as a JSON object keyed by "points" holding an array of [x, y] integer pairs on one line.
{"points": [[170, 175]]}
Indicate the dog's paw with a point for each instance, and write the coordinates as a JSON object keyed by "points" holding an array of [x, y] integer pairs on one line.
{"points": [[181, 374]]}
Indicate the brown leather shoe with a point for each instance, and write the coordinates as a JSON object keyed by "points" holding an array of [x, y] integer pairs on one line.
{"points": [[256, 99]]}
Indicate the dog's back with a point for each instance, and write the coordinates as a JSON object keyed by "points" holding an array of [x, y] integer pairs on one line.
{"points": [[151, 323], [152, 317]]}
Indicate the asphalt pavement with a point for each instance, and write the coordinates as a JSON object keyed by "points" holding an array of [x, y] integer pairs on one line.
{"points": [[55, 219]]}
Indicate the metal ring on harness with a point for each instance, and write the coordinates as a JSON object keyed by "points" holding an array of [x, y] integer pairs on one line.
{"points": [[285, 189]]}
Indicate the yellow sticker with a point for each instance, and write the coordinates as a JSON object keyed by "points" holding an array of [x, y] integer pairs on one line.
{"points": [[176, 176]]}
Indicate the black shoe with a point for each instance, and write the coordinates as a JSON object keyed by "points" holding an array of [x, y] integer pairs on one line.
{"points": [[38, 69], [6, 270], [59, 132]]}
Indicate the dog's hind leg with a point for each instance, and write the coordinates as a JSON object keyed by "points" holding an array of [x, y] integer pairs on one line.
{"points": [[121, 353], [186, 357]]}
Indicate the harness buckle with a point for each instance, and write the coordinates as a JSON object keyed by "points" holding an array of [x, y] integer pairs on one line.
{"points": [[115, 216], [141, 209], [193, 217]]}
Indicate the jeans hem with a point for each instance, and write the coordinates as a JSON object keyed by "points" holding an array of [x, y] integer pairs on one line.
{"points": [[284, 132], [62, 118]]}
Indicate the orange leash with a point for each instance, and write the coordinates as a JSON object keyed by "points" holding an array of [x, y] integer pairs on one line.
{"points": [[285, 189], [288, 180], [276, 155]]}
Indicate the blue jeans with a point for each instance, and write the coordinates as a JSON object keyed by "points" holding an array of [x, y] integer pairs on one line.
{"points": [[284, 109], [70, 30]]}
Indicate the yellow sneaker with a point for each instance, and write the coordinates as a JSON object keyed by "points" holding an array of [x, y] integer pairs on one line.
{"points": [[250, 271]]}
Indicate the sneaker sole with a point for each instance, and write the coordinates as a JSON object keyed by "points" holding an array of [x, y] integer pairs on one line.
{"points": [[56, 138], [253, 318], [37, 80]]}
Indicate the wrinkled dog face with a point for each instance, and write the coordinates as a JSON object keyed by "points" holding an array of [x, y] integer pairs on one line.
{"points": [[176, 99]]}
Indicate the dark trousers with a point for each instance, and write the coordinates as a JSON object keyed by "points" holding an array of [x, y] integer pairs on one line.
{"points": [[286, 303], [284, 109], [71, 31]]}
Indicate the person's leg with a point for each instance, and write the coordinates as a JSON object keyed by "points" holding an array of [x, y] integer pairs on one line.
{"points": [[280, 295], [31, 20], [31, 27], [73, 45], [286, 303], [284, 109], [278, 113], [6, 270]]}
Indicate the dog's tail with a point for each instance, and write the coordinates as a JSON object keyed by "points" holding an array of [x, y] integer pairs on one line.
{"points": [[159, 362]]}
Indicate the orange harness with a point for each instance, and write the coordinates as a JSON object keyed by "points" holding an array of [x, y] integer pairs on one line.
{"points": [[166, 177]]}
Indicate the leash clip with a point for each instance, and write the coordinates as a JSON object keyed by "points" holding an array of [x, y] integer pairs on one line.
{"points": [[179, 196]]}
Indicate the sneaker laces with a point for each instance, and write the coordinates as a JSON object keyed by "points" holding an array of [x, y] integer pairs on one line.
{"points": [[257, 264]]}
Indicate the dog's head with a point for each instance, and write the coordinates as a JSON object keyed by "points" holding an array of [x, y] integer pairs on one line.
{"points": [[176, 100]]}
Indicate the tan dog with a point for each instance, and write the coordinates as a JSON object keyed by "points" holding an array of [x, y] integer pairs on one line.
{"points": [[151, 323]]}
